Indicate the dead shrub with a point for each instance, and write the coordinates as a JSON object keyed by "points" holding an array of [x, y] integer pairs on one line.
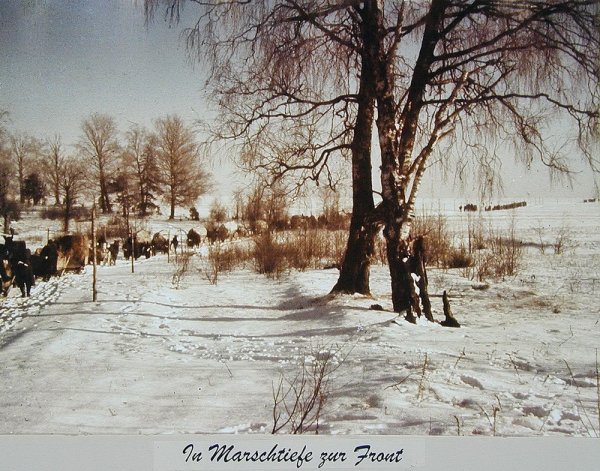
{"points": [[303, 249], [222, 258], [299, 250], [299, 401], [314, 248], [502, 257], [458, 258], [509, 254], [269, 255], [115, 228], [563, 239], [230, 257], [437, 238], [213, 265], [53, 213], [336, 247], [78, 213], [182, 263], [540, 231], [476, 237]]}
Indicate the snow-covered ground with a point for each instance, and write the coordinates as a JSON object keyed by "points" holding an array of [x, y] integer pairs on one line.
{"points": [[156, 356]]}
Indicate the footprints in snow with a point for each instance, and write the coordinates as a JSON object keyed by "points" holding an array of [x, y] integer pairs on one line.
{"points": [[14, 307], [128, 308], [256, 349]]}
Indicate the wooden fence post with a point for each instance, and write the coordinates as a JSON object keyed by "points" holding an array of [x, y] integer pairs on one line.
{"points": [[95, 261], [132, 252]]}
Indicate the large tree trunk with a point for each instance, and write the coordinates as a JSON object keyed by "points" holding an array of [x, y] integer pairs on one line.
{"points": [[6, 225], [172, 213], [398, 262], [143, 208], [21, 188], [406, 261], [354, 270], [68, 212], [104, 196], [397, 142]]}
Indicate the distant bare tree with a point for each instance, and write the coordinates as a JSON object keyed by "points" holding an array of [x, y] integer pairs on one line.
{"points": [[217, 213], [181, 177], [34, 190], [9, 208], [254, 206], [3, 132], [139, 160], [25, 150], [52, 166], [100, 147], [331, 208], [4, 148], [238, 203], [126, 196], [276, 204], [73, 182]]}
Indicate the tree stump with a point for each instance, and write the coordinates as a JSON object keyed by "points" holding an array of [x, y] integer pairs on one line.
{"points": [[421, 272], [449, 321]]}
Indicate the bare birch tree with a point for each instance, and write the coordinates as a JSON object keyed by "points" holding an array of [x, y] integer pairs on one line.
{"points": [[139, 161], [73, 182], [100, 147], [300, 81], [52, 165], [484, 72], [182, 179], [294, 96]]}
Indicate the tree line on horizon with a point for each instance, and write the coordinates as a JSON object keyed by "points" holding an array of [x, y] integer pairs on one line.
{"points": [[132, 171]]}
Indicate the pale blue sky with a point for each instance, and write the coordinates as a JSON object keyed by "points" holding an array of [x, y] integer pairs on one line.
{"points": [[62, 60]]}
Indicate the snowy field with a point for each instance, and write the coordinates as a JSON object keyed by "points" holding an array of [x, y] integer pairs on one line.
{"points": [[155, 356]]}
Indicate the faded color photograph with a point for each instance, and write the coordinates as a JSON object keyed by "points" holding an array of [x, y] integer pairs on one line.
{"points": [[300, 217]]}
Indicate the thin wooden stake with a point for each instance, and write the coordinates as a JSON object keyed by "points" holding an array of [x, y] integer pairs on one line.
{"points": [[95, 261], [132, 252]]}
